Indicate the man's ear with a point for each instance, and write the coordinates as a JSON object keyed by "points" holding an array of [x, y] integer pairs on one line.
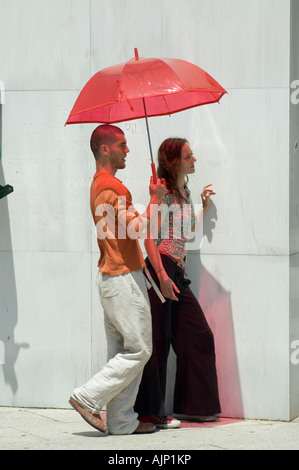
{"points": [[104, 149]]}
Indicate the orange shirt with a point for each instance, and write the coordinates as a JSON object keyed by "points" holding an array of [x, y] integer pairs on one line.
{"points": [[109, 202]]}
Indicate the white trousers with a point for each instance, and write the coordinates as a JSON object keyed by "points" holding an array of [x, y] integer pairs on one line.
{"points": [[128, 329]]}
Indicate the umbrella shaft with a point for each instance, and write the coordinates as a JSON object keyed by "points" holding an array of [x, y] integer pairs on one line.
{"points": [[148, 133]]}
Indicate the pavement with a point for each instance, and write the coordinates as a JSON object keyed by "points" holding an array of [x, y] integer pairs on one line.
{"points": [[64, 429]]}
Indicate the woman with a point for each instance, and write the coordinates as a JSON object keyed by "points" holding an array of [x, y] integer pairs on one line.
{"points": [[179, 321]]}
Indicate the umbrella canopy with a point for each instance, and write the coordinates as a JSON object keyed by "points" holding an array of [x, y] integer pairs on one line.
{"points": [[144, 87], [141, 88]]}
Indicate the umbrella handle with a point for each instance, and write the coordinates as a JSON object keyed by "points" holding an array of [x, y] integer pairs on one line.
{"points": [[154, 173]]}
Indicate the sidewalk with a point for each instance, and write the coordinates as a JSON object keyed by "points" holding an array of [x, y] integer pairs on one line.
{"points": [[53, 429]]}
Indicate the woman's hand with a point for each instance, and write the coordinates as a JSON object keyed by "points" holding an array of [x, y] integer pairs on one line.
{"points": [[205, 196], [167, 286]]}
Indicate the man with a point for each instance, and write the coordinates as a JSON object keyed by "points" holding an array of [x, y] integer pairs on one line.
{"points": [[122, 291]]}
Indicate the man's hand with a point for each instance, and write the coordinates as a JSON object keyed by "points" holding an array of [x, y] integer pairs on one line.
{"points": [[157, 190]]}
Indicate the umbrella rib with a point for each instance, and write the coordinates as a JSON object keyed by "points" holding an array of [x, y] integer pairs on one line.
{"points": [[165, 102]]}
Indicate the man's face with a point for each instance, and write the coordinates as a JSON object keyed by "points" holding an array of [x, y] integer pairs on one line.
{"points": [[117, 152]]}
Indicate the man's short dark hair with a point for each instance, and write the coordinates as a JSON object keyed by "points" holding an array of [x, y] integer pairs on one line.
{"points": [[104, 134]]}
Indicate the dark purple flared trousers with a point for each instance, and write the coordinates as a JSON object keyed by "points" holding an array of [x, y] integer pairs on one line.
{"points": [[183, 325]]}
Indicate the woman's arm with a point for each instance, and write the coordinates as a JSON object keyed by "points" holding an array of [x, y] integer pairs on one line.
{"points": [[206, 202], [167, 286], [205, 197]]}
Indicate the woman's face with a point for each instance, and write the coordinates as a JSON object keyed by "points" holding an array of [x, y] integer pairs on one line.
{"points": [[186, 165]]}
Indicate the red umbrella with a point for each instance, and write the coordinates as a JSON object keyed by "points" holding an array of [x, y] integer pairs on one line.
{"points": [[141, 88]]}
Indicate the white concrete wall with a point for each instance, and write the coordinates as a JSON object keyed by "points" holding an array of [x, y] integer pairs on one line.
{"points": [[294, 214], [51, 319]]}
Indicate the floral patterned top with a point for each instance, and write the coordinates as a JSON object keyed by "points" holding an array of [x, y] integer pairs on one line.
{"points": [[178, 219]]}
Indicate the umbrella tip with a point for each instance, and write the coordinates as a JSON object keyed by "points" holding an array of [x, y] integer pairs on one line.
{"points": [[136, 53]]}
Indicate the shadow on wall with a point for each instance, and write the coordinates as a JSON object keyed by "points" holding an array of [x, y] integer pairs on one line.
{"points": [[216, 304], [8, 297]]}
